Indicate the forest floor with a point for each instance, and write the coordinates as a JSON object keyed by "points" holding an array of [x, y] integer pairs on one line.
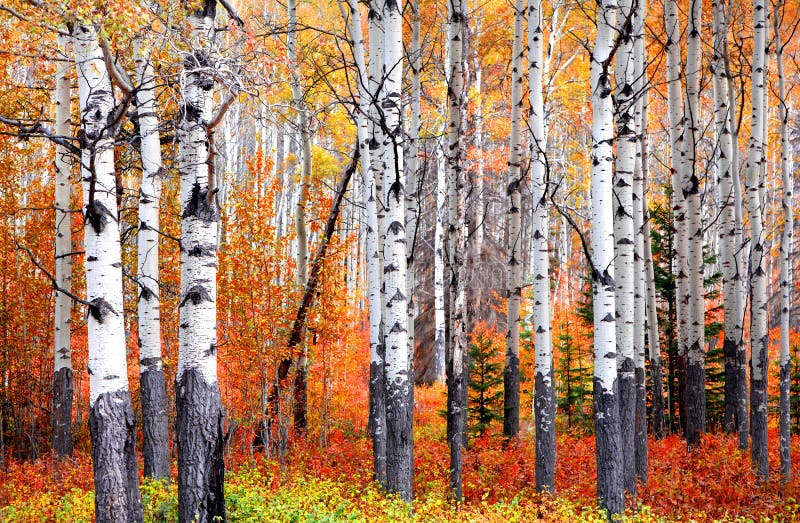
{"points": [[333, 482]]}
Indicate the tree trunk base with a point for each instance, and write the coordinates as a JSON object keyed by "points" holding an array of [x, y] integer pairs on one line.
{"points": [[155, 424]]}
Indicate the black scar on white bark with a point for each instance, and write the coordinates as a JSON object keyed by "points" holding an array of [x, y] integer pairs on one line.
{"points": [[201, 467], [62, 411], [627, 420], [155, 423], [609, 452], [731, 385], [641, 427], [545, 407], [377, 418], [399, 439], [200, 207], [758, 415], [113, 430]]}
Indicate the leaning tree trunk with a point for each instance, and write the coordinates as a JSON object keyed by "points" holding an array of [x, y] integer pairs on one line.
{"points": [[399, 408], [695, 340], [544, 400], [151, 373], [513, 223], [640, 87], [610, 492], [624, 240], [729, 250], [785, 256], [456, 349], [377, 384], [675, 110], [759, 337], [62, 363], [111, 420], [201, 469]]}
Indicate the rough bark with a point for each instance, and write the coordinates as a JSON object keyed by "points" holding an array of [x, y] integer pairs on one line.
{"points": [[399, 408], [513, 224], [151, 379], [112, 424], [544, 389], [610, 492], [62, 363]]}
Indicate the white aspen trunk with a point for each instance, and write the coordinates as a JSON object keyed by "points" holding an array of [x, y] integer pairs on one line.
{"points": [[201, 467], [151, 373], [640, 89], [727, 223], [377, 383], [440, 319], [513, 225], [695, 398], [610, 491], [544, 387], [624, 240], [457, 348], [412, 175], [759, 337], [480, 186], [787, 176], [62, 340], [399, 407], [111, 419], [377, 419], [675, 110]]}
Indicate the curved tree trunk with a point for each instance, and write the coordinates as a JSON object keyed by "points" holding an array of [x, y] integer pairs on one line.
{"points": [[111, 418], [151, 373], [201, 468], [513, 223], [62, 363], [610, 492]]}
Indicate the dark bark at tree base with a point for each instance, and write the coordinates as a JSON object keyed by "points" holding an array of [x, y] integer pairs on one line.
{"points": [[155, 424], [456, 427], [627, 420], [786, 423], [377, 421], [300, 400], [742, 416], [62, 412], [641, 428], [659, 427], [731, 385], [695, 402], [201, 468], [545, 413], [116, 476], [399, 440], [610, 493], [511, 396], [758, 427], [681, 371]]}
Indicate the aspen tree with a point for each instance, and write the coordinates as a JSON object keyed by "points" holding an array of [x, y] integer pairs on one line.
{"points": [[201, 468], [606, 387], [111, 419], [399, 407], [759, 337], [152, 387], [544, 389], [513, 223], [625, 99], [62, 363]]}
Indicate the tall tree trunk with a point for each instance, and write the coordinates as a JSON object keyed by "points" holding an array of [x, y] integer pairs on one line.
{"points": [[610, 492], [399, 407], [201, 468], [412, 175], [640, 88], [544, 389], [785, 255], [728, 245], [456, 349], [62, 363], [680, 269], [513, 225], [111, 420], [653, 340], [151, 373], [759, 337], [695, 340], [624, 240], [440, 320]]}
